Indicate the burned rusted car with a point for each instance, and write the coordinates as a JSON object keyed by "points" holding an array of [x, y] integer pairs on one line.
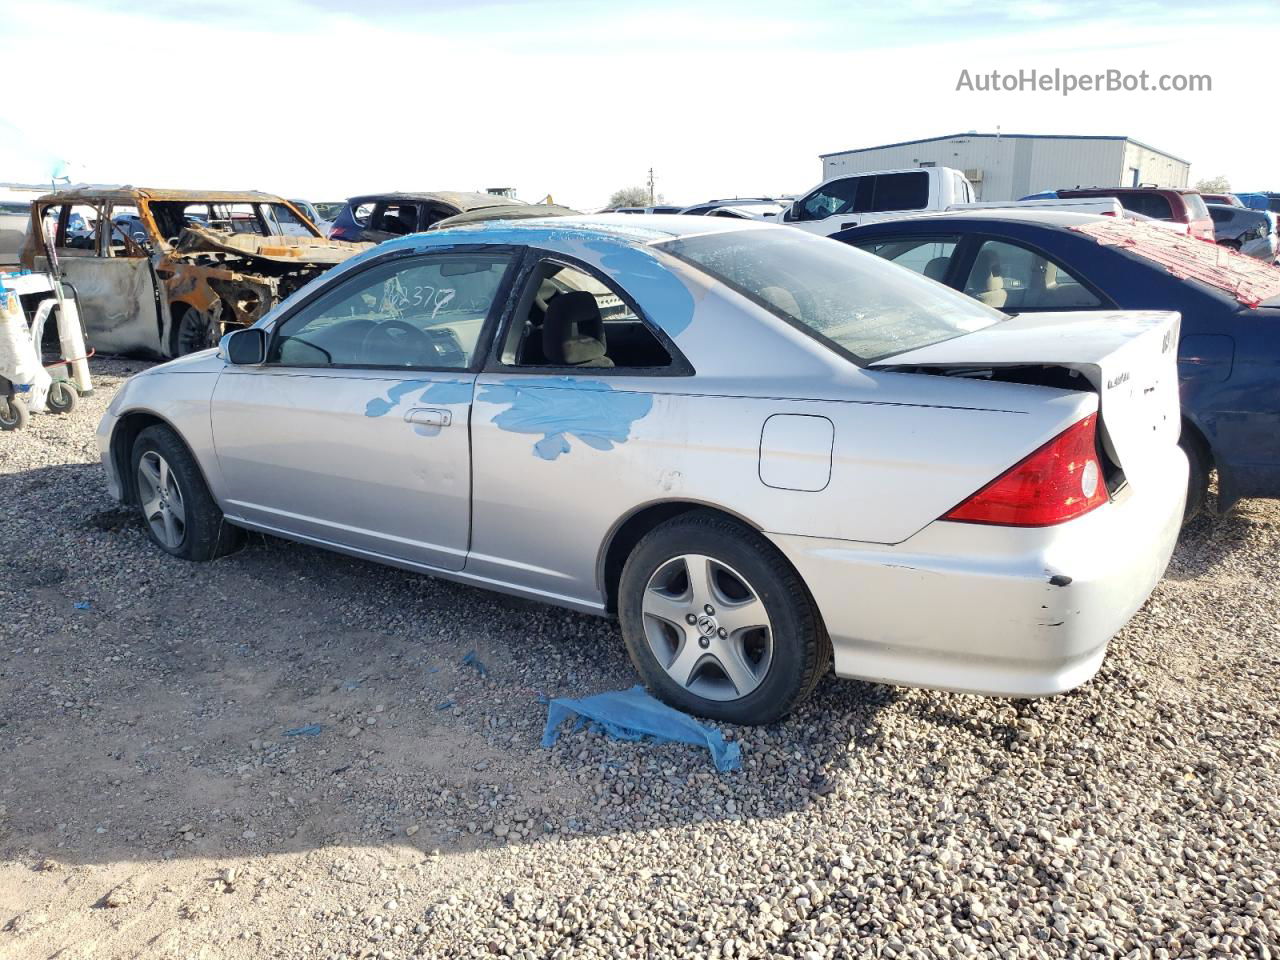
{"points": [[167, 272]]}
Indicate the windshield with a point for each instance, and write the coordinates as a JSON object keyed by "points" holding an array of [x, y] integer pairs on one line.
{"points": [[861, 304]]}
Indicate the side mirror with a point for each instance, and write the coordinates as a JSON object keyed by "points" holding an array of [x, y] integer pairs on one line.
{"points": [[246, 347]]}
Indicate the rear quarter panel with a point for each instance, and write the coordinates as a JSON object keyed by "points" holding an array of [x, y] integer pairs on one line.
{"points": [[558, 465]]}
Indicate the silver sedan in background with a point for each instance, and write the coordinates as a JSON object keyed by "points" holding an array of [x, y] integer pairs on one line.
{"points": [[755, 447]]}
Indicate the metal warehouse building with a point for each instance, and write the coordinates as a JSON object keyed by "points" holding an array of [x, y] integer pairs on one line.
{"points": [[1011, 165]]}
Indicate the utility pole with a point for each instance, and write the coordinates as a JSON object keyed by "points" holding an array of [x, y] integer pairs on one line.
{"points": [[651, 200]]}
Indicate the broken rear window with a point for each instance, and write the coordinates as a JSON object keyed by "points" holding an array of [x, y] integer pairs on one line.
{"points": [[1247, 279]]}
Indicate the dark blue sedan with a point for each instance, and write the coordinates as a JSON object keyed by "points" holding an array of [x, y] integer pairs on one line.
{"points": [[1229, 354]]}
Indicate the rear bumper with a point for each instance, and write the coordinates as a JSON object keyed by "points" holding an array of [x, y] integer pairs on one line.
{"points": [[995, 610]]}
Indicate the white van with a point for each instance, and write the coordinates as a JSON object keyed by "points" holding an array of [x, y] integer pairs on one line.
{"points": [[853, 199]]}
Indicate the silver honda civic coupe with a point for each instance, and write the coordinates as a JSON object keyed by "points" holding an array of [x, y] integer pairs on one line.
{"points": [[757, 448]]}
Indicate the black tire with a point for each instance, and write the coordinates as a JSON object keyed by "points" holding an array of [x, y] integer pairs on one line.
{"points": [[192, 332], [801, 649], [1201, 462], [13, 414], [205, 534], [62, 397]]}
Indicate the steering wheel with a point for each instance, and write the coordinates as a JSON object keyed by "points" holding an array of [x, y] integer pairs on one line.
{"points": [[398, 341]]}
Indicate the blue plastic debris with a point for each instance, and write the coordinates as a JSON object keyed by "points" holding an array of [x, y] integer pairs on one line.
{"points": [[444, 706], [633, 715], [310, 730], [471, 660], [83, 605]]}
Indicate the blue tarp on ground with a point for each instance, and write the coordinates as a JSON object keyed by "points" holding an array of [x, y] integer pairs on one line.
{"points": [[633, 715]]}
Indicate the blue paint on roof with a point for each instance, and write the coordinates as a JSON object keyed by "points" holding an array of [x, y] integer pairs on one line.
{"points": [[561, 407]]}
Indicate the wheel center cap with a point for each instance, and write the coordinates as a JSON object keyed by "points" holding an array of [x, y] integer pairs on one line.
{"points": [[707, 626]]}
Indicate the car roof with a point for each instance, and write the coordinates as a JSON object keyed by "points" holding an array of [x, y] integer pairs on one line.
{"points": [[153, 193], [622, 227], [458, 198], [1040, 217]]}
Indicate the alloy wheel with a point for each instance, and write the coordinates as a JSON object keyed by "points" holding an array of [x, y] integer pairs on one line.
{"points": [[161, 498], [707, 627]]}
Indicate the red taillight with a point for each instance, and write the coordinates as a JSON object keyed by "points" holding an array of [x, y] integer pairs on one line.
{"points": [[1059, 482], [336, 233]]}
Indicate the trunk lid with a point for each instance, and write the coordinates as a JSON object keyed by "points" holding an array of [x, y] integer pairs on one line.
{"points": [[1129, 357]]}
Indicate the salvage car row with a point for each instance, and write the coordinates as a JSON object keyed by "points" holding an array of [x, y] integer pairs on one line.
{"points": [[167, 272], [943, 449]]}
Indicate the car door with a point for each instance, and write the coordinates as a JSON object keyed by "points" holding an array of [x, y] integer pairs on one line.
{"points": [[836, 205], [558, 446], [355, 431], [113, 276]]}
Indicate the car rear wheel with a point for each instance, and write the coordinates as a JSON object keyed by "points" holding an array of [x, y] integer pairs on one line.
{"points": [[180, 514], [718, 623]]}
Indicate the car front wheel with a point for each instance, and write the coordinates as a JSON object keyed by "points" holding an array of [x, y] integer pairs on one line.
{"points": [[718, 623], [180, 514]]}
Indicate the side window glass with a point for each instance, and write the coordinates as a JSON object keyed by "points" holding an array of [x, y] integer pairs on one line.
{"points": [[362, 213], [421, 313], [1148, 204], [567, 318], [1013, 278], [900, 191], [839, 196], [926, 255]]}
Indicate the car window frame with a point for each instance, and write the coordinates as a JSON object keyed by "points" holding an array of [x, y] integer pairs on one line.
{"points": [[484, 341], [533, 257], [967, 253]]}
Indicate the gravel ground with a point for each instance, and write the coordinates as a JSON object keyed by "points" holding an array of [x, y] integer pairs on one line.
{"points": [[152, 803]]}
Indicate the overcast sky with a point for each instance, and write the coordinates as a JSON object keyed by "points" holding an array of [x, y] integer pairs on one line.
{"points": [[324, 99]]}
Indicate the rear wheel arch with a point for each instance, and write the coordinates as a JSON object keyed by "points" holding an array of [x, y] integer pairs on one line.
{"points": [[631, 529], [1201, 461]]}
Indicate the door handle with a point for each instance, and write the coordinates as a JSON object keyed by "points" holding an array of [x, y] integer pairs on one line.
{"points": [[428, 417]]}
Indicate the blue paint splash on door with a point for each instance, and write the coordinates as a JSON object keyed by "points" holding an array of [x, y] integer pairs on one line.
{"points": [[437, 391], [560, 407]]}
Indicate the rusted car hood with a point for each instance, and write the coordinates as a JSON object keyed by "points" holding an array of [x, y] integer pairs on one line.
{"points": [[291, 251]]}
